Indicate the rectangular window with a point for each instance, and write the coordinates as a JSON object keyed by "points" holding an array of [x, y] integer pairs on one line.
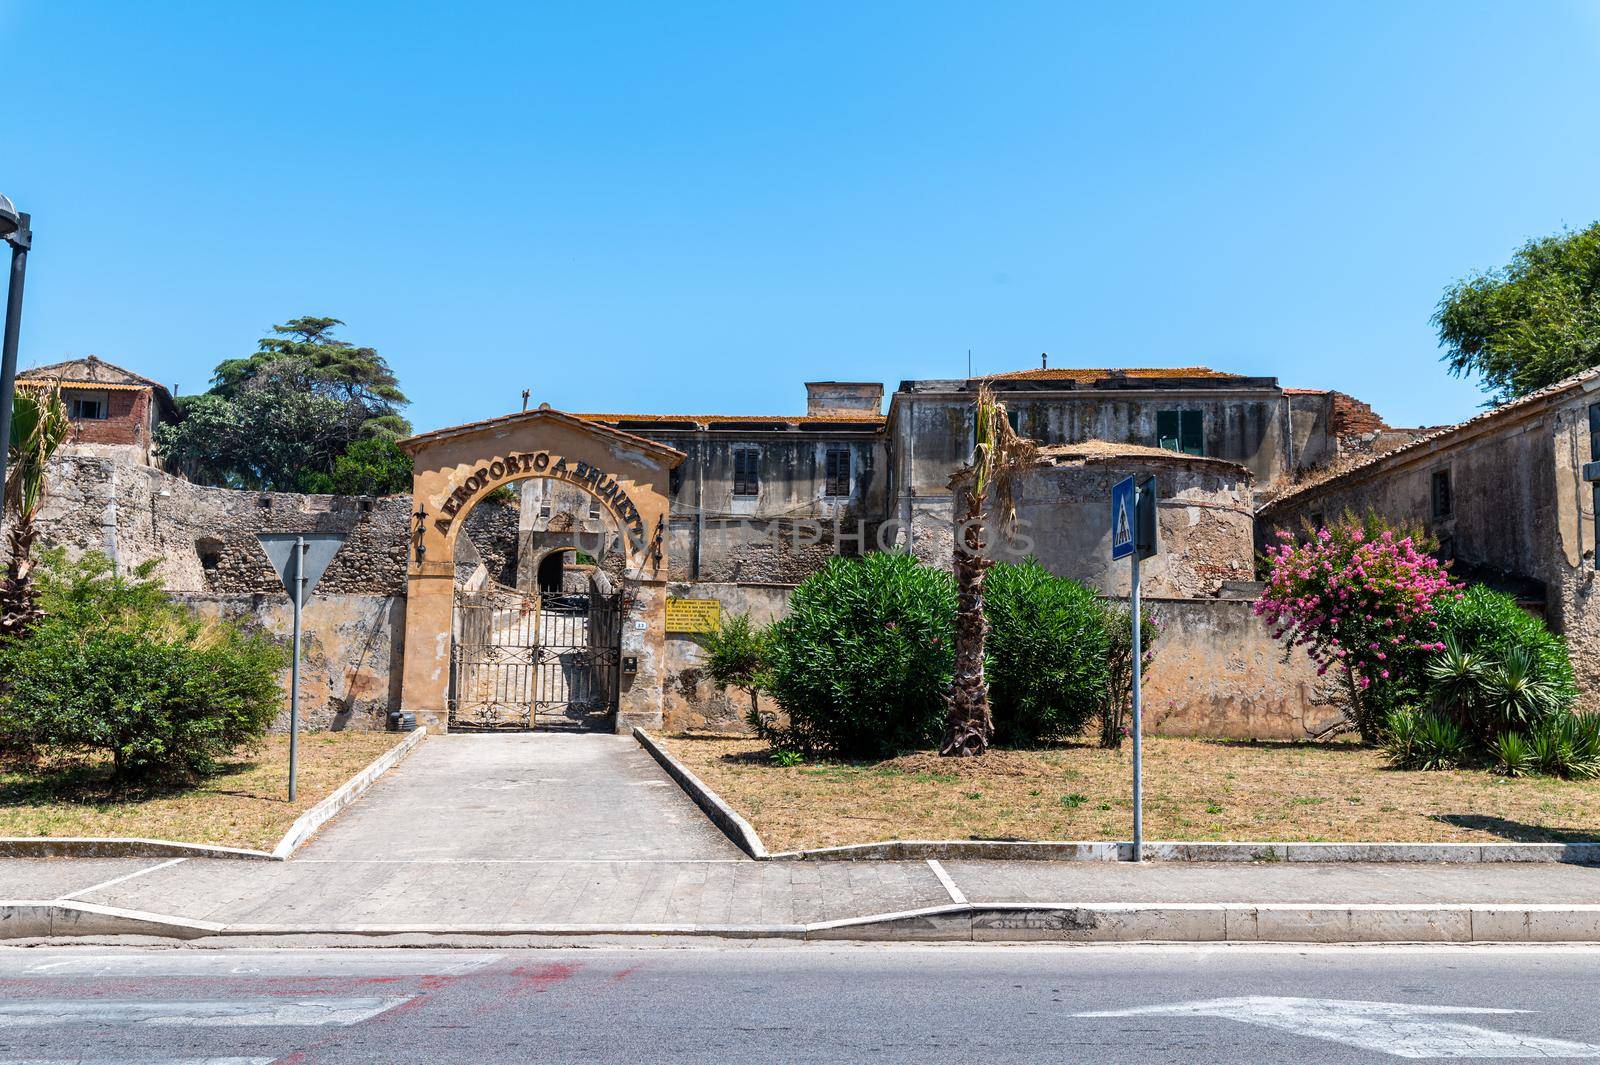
{"points": [[1014, 418], [746, 471], [91, 408], [838, 472], [1442, 503], [1181, 430], [1594, 432]]}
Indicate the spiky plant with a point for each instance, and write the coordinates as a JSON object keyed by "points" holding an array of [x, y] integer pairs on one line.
{"points": [[38, 425], [985, 491]]}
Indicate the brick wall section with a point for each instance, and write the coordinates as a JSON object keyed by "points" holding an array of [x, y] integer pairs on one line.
{"points": [[1352, 417]]}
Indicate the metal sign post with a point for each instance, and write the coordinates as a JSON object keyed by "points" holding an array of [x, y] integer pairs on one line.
{"points": [[1133, 536], [299, 560]]}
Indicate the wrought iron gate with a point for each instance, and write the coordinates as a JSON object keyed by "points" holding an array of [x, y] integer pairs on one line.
{"points": [[544, 660]]}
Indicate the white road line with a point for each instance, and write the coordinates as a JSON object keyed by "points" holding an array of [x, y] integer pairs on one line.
{"points": [[243, 1012], [1399, 1029], [353, 961], [119, 879], [142, 1061], [955, 893], [521, 861]]}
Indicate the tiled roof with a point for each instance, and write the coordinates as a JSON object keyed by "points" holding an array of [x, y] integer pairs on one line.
{"points": [[1394, 455], [865, 418], [1103, 450], [90, 370], [1082, 374]]}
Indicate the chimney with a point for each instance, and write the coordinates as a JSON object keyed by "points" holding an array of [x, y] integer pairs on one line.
{"points": [[825, 398], [1044, 360]]}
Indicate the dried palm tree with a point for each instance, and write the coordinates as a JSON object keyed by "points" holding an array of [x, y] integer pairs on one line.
{"points": [[985, 491], [38, 425]]}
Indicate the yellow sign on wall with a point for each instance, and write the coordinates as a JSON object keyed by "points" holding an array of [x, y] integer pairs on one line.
{"points": [[693, 615]]}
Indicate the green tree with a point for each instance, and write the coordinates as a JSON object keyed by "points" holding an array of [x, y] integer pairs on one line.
{"points": [[290, 413], [375, 466], [1530, 323]]}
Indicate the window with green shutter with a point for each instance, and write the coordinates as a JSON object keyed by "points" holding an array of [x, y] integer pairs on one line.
{"points": [[1181, 430]]}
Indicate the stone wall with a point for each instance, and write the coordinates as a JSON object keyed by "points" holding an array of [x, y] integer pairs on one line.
{"points": [[204, 539], [351, 650]]}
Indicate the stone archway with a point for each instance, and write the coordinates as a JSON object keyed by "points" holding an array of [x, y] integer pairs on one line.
{"points": [[456, 468]]}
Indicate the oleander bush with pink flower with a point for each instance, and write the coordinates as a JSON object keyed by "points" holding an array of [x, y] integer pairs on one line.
{"points": [[1362, 598]]}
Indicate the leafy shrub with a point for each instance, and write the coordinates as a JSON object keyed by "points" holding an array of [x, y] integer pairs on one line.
{"points": [[118, 667], [736, 657], [1116, 700], [1524, 672], [863, 661], [1359, 596], [1048, 653]]}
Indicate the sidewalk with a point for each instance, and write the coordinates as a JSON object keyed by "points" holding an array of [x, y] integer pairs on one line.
{"points": [[910, 900], [551, 834]]}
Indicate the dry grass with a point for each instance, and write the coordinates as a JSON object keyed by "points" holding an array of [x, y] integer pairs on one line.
{"points": [[1194, 790], [245, 805]]}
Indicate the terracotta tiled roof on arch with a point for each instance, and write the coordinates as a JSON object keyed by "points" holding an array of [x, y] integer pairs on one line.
{"points": [[412, 443]]}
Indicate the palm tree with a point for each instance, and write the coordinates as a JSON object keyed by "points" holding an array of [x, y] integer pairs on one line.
{"points": [[38, 425], [986, 484]]}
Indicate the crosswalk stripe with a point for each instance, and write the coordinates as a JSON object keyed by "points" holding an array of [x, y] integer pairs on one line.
{"points": [[177, 1013]]}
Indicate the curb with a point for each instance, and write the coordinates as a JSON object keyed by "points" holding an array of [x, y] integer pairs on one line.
{"points": [[1090, 851], [38, 918], [307, 824], [304, 827], [721, 814], [1230, 922]]}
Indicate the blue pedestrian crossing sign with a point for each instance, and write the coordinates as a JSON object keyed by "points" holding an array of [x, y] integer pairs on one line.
{"points": [[1123, 514]]}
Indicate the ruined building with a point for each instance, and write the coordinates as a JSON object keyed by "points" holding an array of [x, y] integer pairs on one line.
{"points": [[726, 513]]}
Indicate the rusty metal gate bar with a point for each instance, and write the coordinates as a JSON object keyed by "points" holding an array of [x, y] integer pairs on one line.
{"points": [[548, 662]]}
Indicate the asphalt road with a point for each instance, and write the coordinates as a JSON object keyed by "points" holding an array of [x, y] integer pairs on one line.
{"points": [[798, 1003]]}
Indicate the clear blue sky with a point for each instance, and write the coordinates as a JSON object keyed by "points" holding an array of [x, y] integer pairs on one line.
{"points": [[696, 207]]}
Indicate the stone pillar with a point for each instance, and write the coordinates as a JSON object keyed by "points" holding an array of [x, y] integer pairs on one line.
{"points": [[430, 617], [644, 638]]}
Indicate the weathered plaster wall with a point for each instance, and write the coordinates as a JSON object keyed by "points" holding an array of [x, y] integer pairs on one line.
{"points": [[1204, 515], [691, 702], [352, 646], [1218, 672]]}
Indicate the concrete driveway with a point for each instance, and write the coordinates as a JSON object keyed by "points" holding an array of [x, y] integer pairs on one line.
{"points": [[523, 796]]}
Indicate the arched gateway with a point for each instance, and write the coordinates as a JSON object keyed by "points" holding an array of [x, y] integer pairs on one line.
{"points": [[457, 467]]}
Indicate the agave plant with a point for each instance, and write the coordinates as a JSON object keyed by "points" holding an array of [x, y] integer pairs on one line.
{"points": [[1517, 692], [38, 425], [1512, 756], [1567, 745], [1456, 676], [985, 486], [1401, 734], [1441, 743]]}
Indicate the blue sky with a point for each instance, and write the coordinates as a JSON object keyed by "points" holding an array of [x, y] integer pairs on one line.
{"points": [[696, 207]]}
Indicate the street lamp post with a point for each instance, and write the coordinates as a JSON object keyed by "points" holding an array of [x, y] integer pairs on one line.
{"points": [[16, 231]]}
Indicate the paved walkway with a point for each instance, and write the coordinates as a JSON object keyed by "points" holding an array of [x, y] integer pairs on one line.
{"points": [[550, 830], [537, 795]]}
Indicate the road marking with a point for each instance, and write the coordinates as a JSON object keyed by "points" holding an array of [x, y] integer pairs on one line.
{"points": [[142, 1061], [244, 1012], [119, 879], [949, 885], [1394, 1028], [350, 962]]}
